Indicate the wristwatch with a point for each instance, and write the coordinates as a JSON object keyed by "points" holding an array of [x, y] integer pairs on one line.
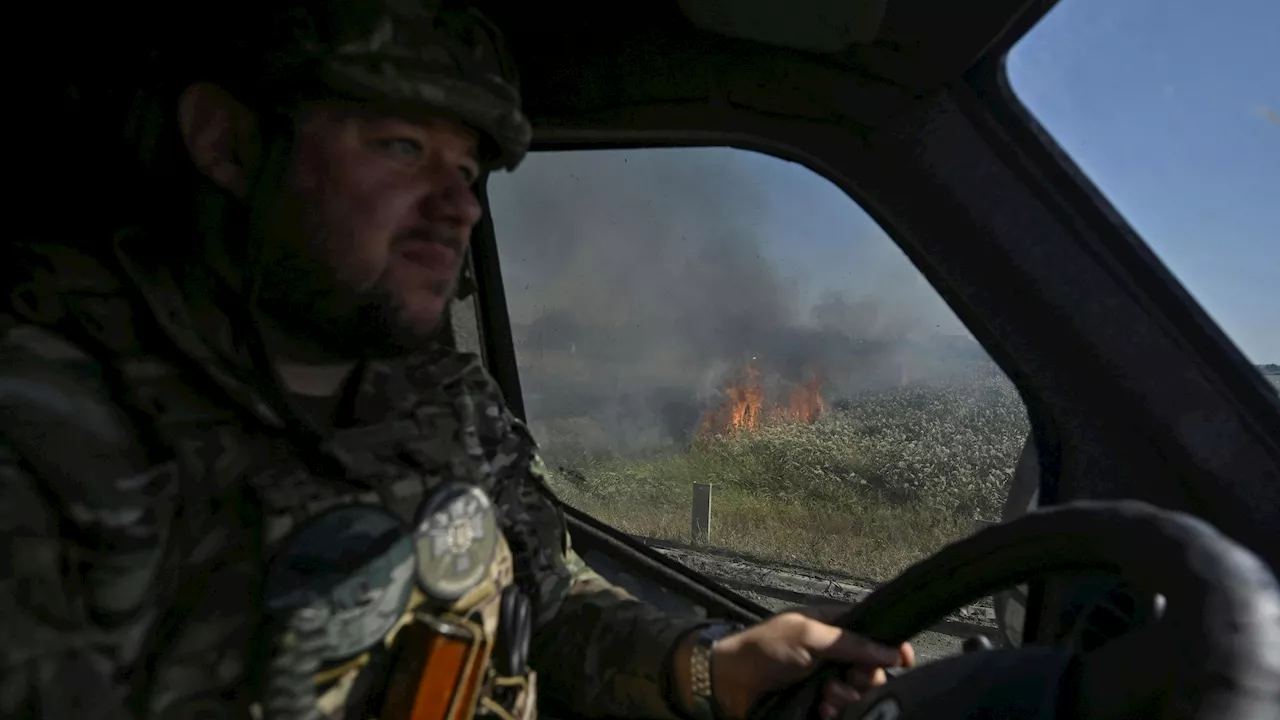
{"points": [[704, 701]]}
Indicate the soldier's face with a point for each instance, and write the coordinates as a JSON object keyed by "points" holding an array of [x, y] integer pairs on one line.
{"points": [[370, 229]]}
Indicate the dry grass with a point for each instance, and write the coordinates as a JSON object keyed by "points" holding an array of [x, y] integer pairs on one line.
{"points": [[869, 489], [872, 542]]}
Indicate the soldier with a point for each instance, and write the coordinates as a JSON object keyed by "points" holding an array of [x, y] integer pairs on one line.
{"points": [[237, 477]]}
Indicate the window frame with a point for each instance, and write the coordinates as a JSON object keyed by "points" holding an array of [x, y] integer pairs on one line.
{"points": [[590, 534]]}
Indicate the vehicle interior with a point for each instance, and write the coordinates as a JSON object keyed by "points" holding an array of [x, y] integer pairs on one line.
{"points": [[905, 106], [1149, 484]]}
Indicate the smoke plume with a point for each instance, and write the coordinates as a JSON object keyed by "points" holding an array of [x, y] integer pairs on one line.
{"points": [[641, 282]]}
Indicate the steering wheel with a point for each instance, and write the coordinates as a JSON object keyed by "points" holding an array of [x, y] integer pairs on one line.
{"points": [[1215, 653]]}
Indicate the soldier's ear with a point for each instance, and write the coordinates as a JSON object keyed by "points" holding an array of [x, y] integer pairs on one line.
{"points": [[221, 136]]}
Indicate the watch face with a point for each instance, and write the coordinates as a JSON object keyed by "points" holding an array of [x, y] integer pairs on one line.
{"points": [[719, 630]]}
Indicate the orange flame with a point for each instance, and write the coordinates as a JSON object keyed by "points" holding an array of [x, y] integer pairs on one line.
{"points": [[744, 408]]}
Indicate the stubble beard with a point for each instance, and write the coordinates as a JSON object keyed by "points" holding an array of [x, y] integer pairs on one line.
{"points": [[309, 301]]}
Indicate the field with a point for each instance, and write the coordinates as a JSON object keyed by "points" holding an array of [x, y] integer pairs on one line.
{"points": [[879, 481]]}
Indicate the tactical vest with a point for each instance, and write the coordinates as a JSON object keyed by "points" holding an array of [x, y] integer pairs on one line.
{"points": [[377, 586]]}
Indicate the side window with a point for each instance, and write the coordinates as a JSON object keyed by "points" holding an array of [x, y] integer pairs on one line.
{"points": [[726, 318]]}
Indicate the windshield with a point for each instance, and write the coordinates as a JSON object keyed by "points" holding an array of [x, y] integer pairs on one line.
{"points": [[722, 354]]}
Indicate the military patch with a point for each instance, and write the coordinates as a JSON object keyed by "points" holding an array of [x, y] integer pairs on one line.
{"points": [[350, 570], [456, 537]]}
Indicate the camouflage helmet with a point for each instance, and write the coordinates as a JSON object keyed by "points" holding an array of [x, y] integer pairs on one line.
{"points": [[439, 56]]}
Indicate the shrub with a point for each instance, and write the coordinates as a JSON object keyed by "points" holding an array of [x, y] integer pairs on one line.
{"points": [[883, 480]]}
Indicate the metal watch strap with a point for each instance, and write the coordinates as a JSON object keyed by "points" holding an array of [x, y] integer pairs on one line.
{"points": [[704, 701]]}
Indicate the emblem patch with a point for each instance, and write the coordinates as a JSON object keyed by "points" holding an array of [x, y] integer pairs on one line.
{"points": [[456, 537], [349, 571]]}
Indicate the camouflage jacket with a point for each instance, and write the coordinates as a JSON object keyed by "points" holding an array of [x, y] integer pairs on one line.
{"points": [[145, 479]]}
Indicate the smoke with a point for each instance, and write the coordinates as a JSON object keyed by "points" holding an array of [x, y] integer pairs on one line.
{"points": [[640, 282]]}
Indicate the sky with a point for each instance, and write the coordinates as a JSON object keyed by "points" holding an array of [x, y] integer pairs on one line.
{"points": [[1171, 109]]}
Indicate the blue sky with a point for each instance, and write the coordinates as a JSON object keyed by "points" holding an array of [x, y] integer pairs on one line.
{"points": [[1172, 109]]}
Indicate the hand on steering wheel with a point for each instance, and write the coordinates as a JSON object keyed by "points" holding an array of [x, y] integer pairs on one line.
{"points": [[1215, 653], [788, 647]]}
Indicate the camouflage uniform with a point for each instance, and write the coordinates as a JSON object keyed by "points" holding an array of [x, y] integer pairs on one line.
{"points": [[179, 545]]}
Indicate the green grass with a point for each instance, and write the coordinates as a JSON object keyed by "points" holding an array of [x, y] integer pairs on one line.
{"points": [[872, 487]]}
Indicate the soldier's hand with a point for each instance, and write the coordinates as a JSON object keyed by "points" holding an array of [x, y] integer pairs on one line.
{"points": [[789, 647]]}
